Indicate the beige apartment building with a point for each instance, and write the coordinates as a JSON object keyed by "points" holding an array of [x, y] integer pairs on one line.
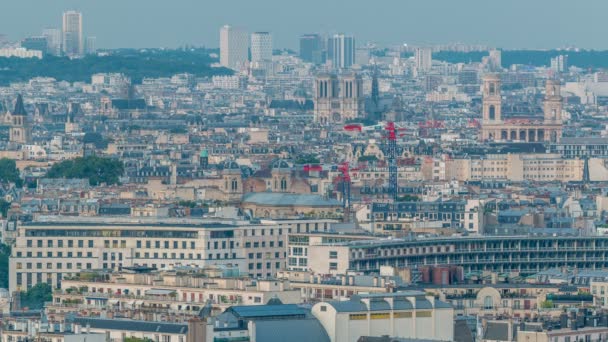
{"points": [[52, 250], [141, 293], [514, 167]]}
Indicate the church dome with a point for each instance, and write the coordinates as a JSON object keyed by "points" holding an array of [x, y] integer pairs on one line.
{"points": [[280, 165]]}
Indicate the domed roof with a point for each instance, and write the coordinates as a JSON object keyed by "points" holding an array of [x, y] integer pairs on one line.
{"points": [[230, 166], [280, 164]]}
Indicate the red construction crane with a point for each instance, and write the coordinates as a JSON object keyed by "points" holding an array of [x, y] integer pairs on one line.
{"points": [[309, 168]]}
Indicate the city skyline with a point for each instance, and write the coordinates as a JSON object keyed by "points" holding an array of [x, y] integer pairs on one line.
{"points": [[418, 23]]}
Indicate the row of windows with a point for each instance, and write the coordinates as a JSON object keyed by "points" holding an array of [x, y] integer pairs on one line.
{"points": [[164, 234], [258, 266], [60, 243], [49, 266], [263, 244], [158, 244], [60, 254]]}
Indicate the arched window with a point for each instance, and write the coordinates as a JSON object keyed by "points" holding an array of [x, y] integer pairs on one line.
{"points": [[488, 302], [492, 112], [283, 184], [235, 184]]}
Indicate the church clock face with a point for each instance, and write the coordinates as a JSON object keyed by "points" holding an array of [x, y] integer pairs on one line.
{"points": [[336, 117]]}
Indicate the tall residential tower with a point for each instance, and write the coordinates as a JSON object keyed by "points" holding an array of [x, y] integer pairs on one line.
{"points": [[73, 44], [234, 47], [341, 51]]}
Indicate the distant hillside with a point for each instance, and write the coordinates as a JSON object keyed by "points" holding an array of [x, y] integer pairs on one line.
{"points": [[582, 59], [135, 64]]}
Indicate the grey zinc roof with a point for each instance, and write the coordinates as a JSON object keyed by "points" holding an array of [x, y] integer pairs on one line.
{"points": [[497, 331], [402, 304], [379, 305], [260, 311], [292, 330], [348, 306], [423, 304], [132, 325], [280, 199]]}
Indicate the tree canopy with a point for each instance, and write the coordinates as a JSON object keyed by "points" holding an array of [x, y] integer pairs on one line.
{"points": [[136, 64], [35, 297], [9, 172], [97, 169], [5, 252]]}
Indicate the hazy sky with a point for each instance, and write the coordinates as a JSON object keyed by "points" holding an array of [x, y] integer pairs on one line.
{"points": [[172, 23]]}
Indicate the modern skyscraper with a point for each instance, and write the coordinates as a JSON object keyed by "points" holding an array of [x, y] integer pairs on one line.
{"points": [[53, 40], [559, 63], [234, 47], [495, 59], [261, 47], [72, 33], [311, 49], [90, 45], [424, 59], [341, 51]]}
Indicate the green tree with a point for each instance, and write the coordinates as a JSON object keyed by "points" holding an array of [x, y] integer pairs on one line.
{"points": [[35, 297], [9, 172], [370, 158], [97, 169], [307, 159], [5, 252], [4, 207]]}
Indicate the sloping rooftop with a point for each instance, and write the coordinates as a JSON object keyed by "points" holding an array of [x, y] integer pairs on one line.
{"points": [[282, 200], [132, 325]]}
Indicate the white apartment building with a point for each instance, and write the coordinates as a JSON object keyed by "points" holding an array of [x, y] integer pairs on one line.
{"points": [[20, 53], [73, 43], [51, 250], [423, 58], [234, 47], [261, 47]]}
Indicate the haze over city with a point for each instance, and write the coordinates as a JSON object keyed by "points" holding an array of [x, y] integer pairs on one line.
{"points": [[507, 24], [313, 171]]}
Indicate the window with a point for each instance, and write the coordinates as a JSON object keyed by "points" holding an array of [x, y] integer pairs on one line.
{"points": [[333, 266], [333, 254]]}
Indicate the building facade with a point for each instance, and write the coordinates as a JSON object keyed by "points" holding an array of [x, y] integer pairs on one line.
{"points": [[408, 314], [338, 98], [341, 51], [494, 127], [234, 47], [524, 254], [261, 47], [49, 251], [72, 34]]}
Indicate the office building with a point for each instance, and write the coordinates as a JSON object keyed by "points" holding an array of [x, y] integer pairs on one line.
{"points": [[261, 47], [311, 49], [424, 59], [341, 51], [559, 63], [526, 254], [72, 33], [50, 250], [234, 47], [495, 60], [53, 41]]}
